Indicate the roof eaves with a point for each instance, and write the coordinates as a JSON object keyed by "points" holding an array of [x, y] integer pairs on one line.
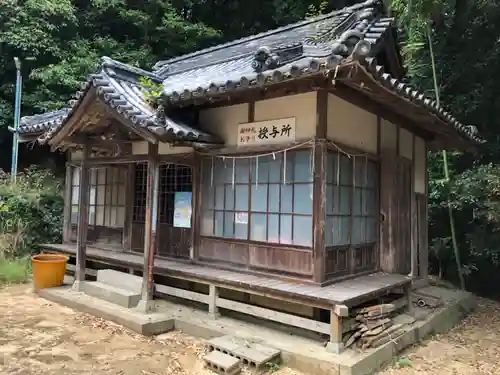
{"points": [[404, 90]]}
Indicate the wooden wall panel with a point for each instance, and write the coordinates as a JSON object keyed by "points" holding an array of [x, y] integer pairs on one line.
{"points": [[282, 260], [216, 250]]}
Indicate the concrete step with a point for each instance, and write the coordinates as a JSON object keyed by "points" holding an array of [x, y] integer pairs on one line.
{"points": [[110, 293], [222, 363], [120, 280], [253, 354]]}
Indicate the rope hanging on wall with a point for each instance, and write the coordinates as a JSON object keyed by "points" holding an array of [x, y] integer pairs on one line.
{"points": [[284, 152]]}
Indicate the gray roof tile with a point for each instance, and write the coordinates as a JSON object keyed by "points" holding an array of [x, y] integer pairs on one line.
{"points": [[118, 85]]}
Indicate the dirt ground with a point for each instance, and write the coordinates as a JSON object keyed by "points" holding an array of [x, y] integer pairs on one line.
{"points": [[40, 337]]}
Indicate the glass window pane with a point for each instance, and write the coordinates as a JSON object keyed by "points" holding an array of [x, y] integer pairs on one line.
{"points": [[329, 231], [302, 230], [121, 194], [371, 229], [91, 215], [120, 216], [219, 171], [340, 231], [329, 199], [229, 171], [114, 196], [273, 224], [259, 198], [241, 172], [241, 198], [286, 198], [101, 176], [358, 230], [372, 175], [206, 172], [302, 198], [369, 202], [260, 169], [76, 176], [356, 201], [345, 171], [75, 194], [241, 225], [219, 197], [101, 192], [99, 215], [258, 227], [229, 224], [207, 196], [275, 168], [342, 200], [302, 166], [74, 214], [219, 221], [288, 167], [207, 222], [274, 197], [330, 176], [229, 198], [93, 176], [360, 172], [286, 229]]}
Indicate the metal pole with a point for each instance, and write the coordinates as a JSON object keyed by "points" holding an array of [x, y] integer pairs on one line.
{"points": [[17, 119]]}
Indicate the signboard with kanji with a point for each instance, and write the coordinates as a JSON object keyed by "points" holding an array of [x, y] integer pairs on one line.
{"points": [[266, 132]]}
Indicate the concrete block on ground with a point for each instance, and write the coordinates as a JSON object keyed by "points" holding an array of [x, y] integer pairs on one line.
{"points": [[110, 293], [226, 344], [222, 363], [120, 280]]}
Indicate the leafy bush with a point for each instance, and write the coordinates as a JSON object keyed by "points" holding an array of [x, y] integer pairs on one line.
{"points": [[31, 211], [14, 271]]}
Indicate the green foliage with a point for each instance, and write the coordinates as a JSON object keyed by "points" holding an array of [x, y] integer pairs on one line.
{"points": [[14, 271], [30, 214], [151, 89]]}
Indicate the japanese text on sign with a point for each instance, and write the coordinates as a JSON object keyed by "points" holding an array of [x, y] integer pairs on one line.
{"points": [[265, 132]]}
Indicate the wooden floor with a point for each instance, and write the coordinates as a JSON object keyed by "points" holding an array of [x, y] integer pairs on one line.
{"points": [[350, 292]]}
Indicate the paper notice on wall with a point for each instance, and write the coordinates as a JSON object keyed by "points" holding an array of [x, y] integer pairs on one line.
{"points": [[241, 218], [183, 209]]}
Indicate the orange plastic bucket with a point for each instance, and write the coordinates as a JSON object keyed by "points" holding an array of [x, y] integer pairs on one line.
{"points": [[48, 270]]}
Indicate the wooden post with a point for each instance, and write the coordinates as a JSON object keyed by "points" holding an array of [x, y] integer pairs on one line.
{"points": [[319, 187], [213, 294], [68, 188], [129, 207], [424, 247], [335, 345], [152, 194], [414, 250], [83, 219], [195, 216]]}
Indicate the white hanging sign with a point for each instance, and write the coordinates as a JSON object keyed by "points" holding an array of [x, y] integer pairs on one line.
{"points": [[266, 132]]}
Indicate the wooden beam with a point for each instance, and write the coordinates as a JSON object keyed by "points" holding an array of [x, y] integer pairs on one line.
{"points": [[196, 207], [67, 204], [319, 194], [335, 344], [152, 196], [414, 219], [83, 219], [424, 248]]}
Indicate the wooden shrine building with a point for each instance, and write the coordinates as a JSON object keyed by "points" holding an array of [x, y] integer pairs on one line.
{"points": [[287, 166]]}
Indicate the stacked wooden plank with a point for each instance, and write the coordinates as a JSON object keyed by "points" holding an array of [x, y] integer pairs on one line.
{"points": [[373, 327]]}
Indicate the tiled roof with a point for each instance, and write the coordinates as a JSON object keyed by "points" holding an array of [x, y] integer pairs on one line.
{"points": [[273, 56], [418, 98], [118, 85], [40, 123]]}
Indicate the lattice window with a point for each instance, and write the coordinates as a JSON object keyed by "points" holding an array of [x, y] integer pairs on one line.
{"points": [[264, 199], [107, 196], [173, 178]]}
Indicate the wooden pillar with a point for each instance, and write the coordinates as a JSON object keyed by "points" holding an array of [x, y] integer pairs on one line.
{"points": [[196, 211], [213, 294], [68, 188], [414, 220], [335, 344], [388, 211], [83, 218], [424, 247], [129, 208], [152, 195], [319, 187]]}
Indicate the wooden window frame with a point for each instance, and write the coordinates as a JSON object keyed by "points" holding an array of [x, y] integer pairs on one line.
{"points": [[252, 161]]}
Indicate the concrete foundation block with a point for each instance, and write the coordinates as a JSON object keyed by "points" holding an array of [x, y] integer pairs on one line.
{"points": [[222, 363], [110, 293], [120, 280]]}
